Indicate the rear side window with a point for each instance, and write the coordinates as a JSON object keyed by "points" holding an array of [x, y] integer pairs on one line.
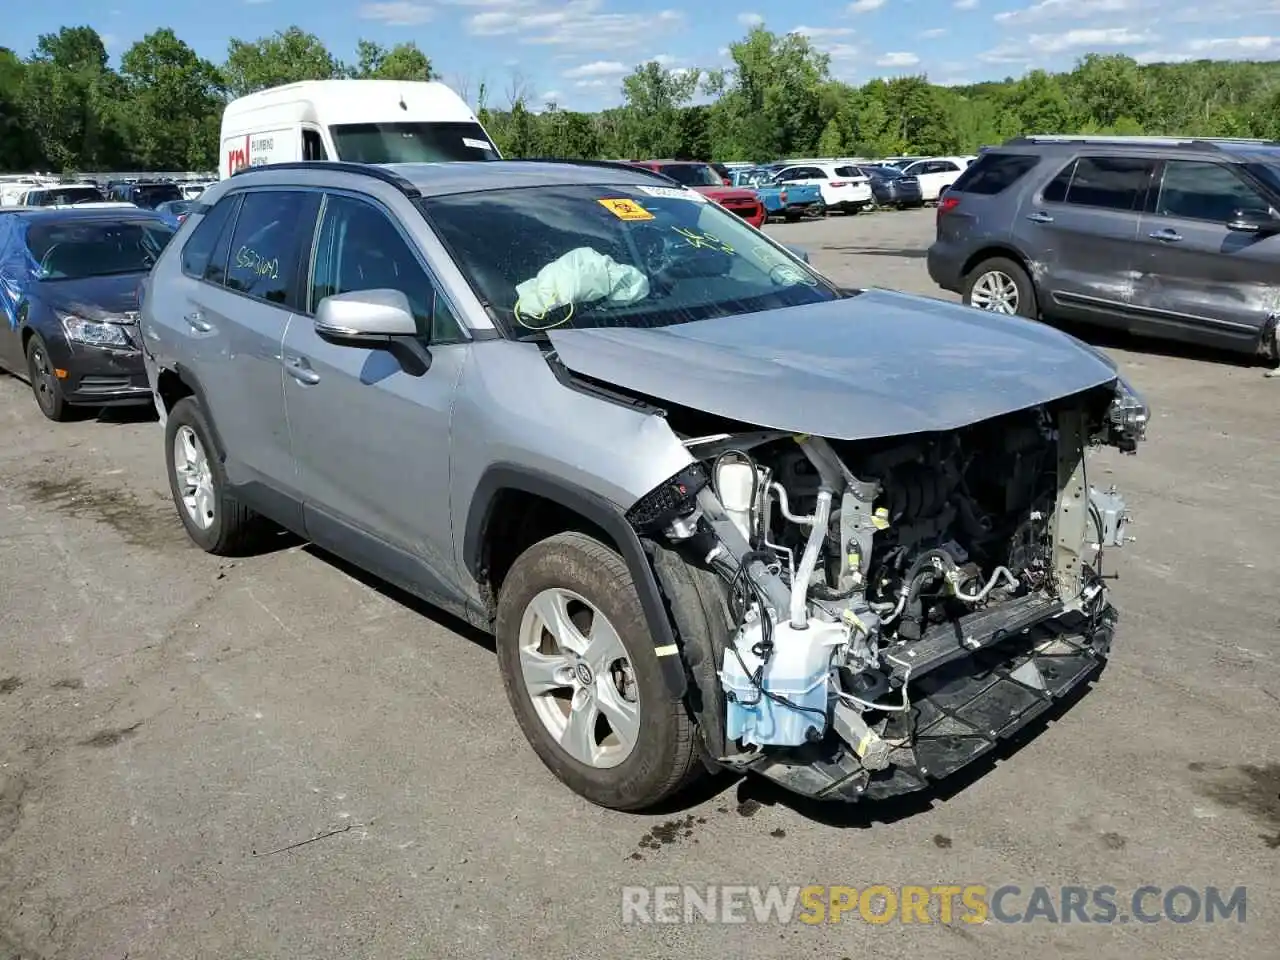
{"points": [[197, 252], [848, 172], [1108, 183], [994, 173], [264, 248]]}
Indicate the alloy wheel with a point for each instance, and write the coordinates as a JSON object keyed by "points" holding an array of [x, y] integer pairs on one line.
{"points": [[43, 381], [995, 291], [195, 478], [578, 673]]}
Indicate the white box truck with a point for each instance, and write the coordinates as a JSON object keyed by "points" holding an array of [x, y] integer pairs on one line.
{"points": [[361, 121]]}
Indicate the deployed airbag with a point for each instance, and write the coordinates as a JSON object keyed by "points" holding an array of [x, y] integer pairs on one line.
{"points": [[582, 275]]}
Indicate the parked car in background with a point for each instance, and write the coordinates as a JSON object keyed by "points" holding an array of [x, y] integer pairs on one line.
{"points": [[192, 190], [935, 174], [703, 178], [69, 292], [148, 195], [61, 195], [1166, 237], [892, 188], [790, 202], [175, 211], [843, 187]]}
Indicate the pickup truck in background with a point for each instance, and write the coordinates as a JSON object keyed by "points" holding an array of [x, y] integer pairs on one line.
{"points": [[790, 202]]}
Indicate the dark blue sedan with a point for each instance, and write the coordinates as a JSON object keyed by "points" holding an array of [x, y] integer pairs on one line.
{"points": [[69, 303]]}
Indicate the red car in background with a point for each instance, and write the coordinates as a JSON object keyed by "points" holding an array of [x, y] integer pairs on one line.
{"points": [[703, 178]]}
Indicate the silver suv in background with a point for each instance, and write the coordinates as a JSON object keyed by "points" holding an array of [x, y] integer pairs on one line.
{"points": [[717, 511], [1172, 238]]}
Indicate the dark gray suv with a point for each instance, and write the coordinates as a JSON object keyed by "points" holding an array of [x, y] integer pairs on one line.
{"points": [[1176, 238]]}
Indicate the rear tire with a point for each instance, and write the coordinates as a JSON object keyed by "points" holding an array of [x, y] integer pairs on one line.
{"points": [[569, 602], [1000, 285], [214, 519]]}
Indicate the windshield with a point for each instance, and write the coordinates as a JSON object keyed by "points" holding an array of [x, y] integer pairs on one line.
{"points": [[692, 174], [75, 250], [56, 195], [598, 256], [411, 142], [152, 196]]}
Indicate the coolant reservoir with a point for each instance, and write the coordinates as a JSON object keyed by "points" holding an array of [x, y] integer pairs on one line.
{"points": [[798, 671]]}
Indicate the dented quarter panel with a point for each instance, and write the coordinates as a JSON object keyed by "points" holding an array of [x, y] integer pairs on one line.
{"points": [[875, 365]]}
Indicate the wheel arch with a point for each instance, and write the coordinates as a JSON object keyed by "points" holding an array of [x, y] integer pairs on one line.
{"points": [[175, 383], [993, 250], [513, 504]]}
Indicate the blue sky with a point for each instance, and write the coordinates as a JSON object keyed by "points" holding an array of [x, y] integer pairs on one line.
{"points": [[577, 51]]}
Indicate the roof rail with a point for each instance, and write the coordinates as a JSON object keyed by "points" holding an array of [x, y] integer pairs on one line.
{"points": [[630, 165], [1194, 143], [340, 166]]}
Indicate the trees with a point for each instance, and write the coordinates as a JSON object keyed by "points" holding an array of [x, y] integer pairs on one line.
{"points": [[64, 107]]}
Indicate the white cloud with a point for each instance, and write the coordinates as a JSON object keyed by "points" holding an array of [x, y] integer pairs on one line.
{"points": [[552, 96], [109, 41], [966, 4], [1007, 54], [823, 33], [865, 6], [592, 84], [1234, 46], [1158, 56], [397, 14], [842, 51], [598, 68], [750, 19], [581, 24], [933, 34], [898, 60], [1088, 37], [661, 59], [1075, 9]]}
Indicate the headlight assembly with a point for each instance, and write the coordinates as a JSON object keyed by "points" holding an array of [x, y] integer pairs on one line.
{"points": [[94, 333], [1128, 416]]}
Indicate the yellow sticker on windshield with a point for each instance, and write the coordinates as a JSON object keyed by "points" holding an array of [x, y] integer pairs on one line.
{"points": [[626, 209]]}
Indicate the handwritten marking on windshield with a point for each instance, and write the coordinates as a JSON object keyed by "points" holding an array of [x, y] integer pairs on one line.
{"points": [[703, 241]]}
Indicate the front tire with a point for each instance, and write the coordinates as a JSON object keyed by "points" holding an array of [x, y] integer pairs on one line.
{"points": [[214, 519], [999, 285], [580, 672], [45, 385]]}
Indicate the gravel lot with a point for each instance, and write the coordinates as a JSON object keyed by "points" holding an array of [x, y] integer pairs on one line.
{"points": [[168, 721]]}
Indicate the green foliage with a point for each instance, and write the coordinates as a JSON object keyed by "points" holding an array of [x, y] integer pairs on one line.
{"points": [[64, 107]]}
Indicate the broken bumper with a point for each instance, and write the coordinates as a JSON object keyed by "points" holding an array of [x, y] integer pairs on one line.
{"points": [[960, 711]]}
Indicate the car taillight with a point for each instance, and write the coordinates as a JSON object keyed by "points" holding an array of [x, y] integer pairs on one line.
{"points": [[947, 204], [840, 183]]}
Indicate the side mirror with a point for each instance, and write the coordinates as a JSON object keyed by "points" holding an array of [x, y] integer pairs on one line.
{"points": [[1253, 221], [364, 315], [799, 252]]}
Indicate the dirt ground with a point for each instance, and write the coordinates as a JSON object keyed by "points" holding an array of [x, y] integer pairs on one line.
{"points": [[171, 723]]}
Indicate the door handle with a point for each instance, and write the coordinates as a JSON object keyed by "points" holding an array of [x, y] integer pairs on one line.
{"points": [[197, 322], [1166, 236], [300, 370], [1039, 217]]}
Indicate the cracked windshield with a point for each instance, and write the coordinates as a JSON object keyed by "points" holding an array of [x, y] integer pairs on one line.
{"points": [[591, 256]]}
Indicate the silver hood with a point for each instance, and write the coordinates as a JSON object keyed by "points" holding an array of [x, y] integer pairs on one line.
{"points": [[878, 364]]}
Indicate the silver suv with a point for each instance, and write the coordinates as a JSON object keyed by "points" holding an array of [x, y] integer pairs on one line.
{"points": [[718, 512]]}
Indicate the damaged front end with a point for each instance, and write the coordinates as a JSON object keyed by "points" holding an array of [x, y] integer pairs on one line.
{"points": [[894, 607]]}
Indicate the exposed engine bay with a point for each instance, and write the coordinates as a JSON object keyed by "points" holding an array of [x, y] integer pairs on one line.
{"points": [[899, 604]]}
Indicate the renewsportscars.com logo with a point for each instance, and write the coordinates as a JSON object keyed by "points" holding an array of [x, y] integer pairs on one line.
{"points": [[945, 904]]}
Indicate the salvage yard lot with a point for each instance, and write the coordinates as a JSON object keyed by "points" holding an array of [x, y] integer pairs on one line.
{"points": [[171, 722]]}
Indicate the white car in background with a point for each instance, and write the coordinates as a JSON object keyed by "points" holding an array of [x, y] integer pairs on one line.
{"points": [[936, 174], [843, 187]]}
